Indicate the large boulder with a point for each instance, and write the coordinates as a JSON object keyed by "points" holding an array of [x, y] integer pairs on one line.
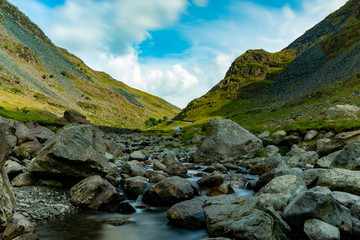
{"points": [[316, 229], [76, 151], [135, 186], [7, 200], [188, 214], [169, 191], [95, 193], [320, 204], [73, 116], [41, 133], [239, 218], [343, 180], [298, 157], [349, 157], [226, 141], [342, 110]]}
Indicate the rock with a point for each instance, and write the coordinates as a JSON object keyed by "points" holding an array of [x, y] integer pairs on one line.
{"points": [[318, 230], [346, 199], [227, 141], [135, 186], [311, 176], [119, 221], [12, 169], [27, 236], [348, 158], [134, 168], [41, 133], [222, 189], [169, 158], [7, 200], [279, 136], [169, 191], [12, 231], [235, 180], [318, 203], [95, 193], [311, 135], [265, 134], [341, 180], [342, 110], [33, 148], [298, 157], [49, 183], [74, 152], [212, 180], [158, 166], [155, 177], [355, 210], [273, 161], [139, 156], [23, 179], [283, 226], [278, 192], [20, 219], [176, 169], [271, 150], [290, 140], [123, 207], [187, 214], [239, 218], [219, 167], [73, 116], [326, 161]]}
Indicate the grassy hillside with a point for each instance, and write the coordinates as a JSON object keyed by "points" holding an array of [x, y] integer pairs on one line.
{"points": [[290, 89], [43, 79]]}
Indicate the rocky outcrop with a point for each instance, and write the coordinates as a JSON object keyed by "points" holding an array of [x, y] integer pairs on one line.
{"points": [[341, 180], [226, 141], [76, 151]]}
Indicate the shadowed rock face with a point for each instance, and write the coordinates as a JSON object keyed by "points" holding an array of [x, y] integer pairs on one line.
{"points": [[7, 200]]}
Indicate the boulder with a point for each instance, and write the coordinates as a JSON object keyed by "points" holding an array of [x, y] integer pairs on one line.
{"points": [[264, 135], [318, 230], [279, 136], [326, 161], [7, 200], [27, 236], [271, 150], [278, 192], [311, 135], [235, 180], [12, 168], [169, 191], [239, 218], [343, 180], [169, 158], [95, 193], [41, 133], [158, 166], [139, 156], [348, 158], [73, 116], [76, 151], [222, 189], [227, 141], [298, 157], [12, 231], [318, 203], [135, 186], [176, 169], [187, 214], [20, 219], [346, 199], [23, 179], [342, 110], [134, 168], [311, 176], [212, 180]]}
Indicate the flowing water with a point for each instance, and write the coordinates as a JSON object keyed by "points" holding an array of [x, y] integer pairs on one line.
{"points": [[150, 224]]}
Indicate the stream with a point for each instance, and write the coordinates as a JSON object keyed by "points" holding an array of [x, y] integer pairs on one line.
{"points": [[150, 223]]}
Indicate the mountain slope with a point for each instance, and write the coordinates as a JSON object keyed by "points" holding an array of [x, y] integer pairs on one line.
{"points": [[45, 79], [316, 72]]}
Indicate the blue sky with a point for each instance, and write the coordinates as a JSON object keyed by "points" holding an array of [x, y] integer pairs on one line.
{"points": [[175, 49]]}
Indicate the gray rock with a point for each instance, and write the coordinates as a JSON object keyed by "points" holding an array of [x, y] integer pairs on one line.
{"points": [[158, 166], [326, 161], [212, 180], [290, 140], [95, 193], [318, 203], [346, 199], [41, 133], [311, 135], [139, 156], [343, 180], [235, 180], [7, 200], [265, 134], [134, 168], [318, 230], [187, 214], [222, 189], [176, 169], [169, 158], [27, 236], [279, 136], [20, 219], [298, 157], [271, 150], [135, 186], [227, 141], [12, 231], [278, 192], [348, 158], [73, 116], [75, 151], [23, 179], [311, 176], [239, 218], [342, 110], [12, 168], [169, 191]]}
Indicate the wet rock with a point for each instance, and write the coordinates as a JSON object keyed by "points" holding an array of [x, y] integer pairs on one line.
{"points": [[119, 221], [155, 177], [318, 203], [169, 191], [135, 186], [222, 189], [12, 231], [187, 214], [341, 180], [348, 158], [212, 180], [219, 167], [123, 207], [158, 166], [227, 141], [239, 218], [235, 180], [74, 152], [176, 169], [134, 168], [278, 192], [318, 230], [139, 156], [73, 116], [95, 193], [169, 158]]}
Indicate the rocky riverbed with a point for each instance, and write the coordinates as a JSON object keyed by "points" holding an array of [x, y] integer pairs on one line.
{"points": [[234, 185]]}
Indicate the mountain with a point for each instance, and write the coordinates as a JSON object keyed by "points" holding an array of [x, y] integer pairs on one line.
{"points": [[319, 69], [41, 80]]}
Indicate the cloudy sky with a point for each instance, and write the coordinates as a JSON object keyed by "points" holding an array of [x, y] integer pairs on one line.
{"points": [[175, 49]]}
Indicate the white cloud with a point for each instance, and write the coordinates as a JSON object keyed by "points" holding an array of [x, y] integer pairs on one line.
{"points": [[201, 3]]}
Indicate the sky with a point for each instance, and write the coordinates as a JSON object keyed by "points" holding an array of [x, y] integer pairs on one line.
{"points": [[174, 49]]}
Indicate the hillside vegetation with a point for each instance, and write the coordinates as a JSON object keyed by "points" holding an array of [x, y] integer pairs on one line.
{"points": [[45, 80]]}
